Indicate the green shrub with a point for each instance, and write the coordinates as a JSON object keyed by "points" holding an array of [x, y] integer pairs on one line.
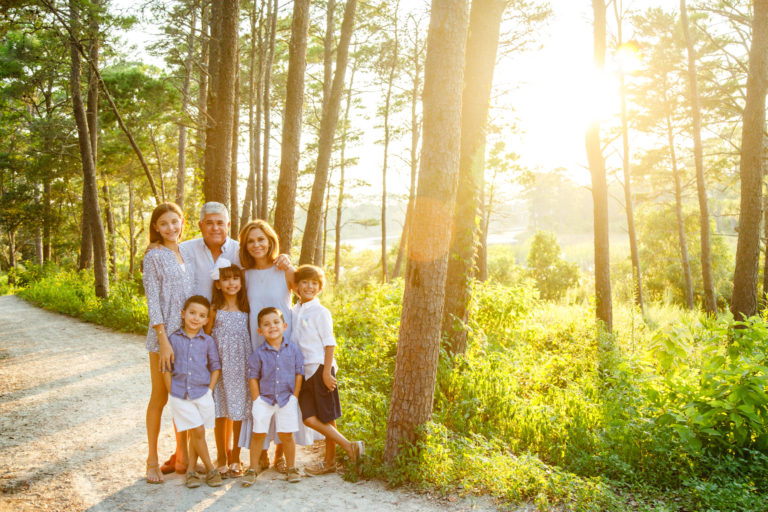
{"points": [[552, 274]]}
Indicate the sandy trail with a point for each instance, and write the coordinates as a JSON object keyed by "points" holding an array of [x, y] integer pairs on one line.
{"points": [[72, 403]]}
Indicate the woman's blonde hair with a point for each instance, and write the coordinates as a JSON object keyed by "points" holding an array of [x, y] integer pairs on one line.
{"points": [[246, 260]]}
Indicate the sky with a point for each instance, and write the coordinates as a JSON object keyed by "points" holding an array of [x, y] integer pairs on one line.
{"points": [[548, 93]]}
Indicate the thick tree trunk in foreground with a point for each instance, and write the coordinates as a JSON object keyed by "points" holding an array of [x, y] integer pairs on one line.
{"points": [[291, 145], [604, 306], [221, 100], [764, 301], [751, 170], [482, 42], [429, 239], [710, 301], [90, 192], [202, 89], [327, 131]]}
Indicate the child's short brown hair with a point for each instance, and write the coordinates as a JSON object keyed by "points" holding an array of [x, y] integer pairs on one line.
{"points": [[305, 272], [268, 311], [197, 299]]}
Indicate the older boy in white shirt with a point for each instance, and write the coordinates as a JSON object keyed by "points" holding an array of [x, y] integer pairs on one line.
{"points": [[319, 396]]}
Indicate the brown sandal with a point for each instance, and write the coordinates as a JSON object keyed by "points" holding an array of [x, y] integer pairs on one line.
{"points": [[154, 466]]}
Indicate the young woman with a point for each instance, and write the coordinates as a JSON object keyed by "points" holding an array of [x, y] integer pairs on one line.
{"points": [[167, 285]]}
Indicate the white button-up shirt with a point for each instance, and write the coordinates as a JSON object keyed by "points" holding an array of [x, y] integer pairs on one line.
{"points": [[312, 332], [200, 262]]}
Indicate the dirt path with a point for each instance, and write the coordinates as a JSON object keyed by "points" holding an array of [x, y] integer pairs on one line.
{"points": [[72, 437]]}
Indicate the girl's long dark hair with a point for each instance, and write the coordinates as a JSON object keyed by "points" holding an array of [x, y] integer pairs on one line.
{"points": [[217, 300]]}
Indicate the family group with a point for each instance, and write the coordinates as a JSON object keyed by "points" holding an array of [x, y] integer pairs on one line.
{"points": [[229, 351]]}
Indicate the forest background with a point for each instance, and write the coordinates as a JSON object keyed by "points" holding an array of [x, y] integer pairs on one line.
{"points": [[335, 120]]}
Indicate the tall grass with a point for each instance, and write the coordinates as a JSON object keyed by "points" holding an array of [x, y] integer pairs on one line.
{"points": [[669, 412]]}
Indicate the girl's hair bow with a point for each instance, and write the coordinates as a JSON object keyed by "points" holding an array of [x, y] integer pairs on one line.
{"points": [[220, 263]]}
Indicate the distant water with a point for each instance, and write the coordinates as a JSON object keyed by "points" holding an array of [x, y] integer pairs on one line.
{"points": [[374, 242]]}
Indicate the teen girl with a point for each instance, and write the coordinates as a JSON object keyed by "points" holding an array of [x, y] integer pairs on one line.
{"points": [[228, 324], [167, 285]]}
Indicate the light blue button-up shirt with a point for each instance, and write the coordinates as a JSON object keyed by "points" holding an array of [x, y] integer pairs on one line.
{"points": [[199, 256], [193, 361], [276, 371]]}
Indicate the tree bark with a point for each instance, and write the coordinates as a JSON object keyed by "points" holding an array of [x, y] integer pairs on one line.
{"points": [[131, 230], [202, 90], [684, 261], [628, 202], [255, 77], [604, 307], [291, 141], [233, 195], [429, 240], [220, 103], [342, 168], [90, 195], [387, 136], [325, 144], [415, 97], [765, 249], [181, 171], [752, 170], [482, 43], [267, 109], [710, 301]]}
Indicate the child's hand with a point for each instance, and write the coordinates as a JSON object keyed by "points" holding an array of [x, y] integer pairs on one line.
{"points": [[329, 381]]}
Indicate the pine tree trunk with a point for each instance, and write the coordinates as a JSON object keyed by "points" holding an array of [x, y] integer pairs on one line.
{"points": [[111, 230], [752, 170], [604, 307], [325, 144], [233, 195], [429, 239], [628, 202], [685, 264], [342, 168], [85, 260], [387, 136], [255, 77], [47, 219], [291, 145], [202, 89], [710, 301], [181, 171], [131, 230], [765, 249], [415, 97], [482, 42], [267, 109], [90, 195], [221, 104]]}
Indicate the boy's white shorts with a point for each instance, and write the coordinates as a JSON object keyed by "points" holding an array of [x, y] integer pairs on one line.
{"points": [[286, 417], [189, 414]]}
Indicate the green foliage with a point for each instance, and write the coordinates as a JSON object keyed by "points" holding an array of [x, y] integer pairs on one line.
{"points": [[72, 293], [667, 414], [661, 260], [553, 275]]}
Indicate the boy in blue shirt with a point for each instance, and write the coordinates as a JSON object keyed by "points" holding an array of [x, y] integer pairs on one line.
{"points": [[275, 372], [190, 383]]}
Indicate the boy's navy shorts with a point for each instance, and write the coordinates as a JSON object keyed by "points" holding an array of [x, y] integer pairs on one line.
{"points": [[316, 400]]}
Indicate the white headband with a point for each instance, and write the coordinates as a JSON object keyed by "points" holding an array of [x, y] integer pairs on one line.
{"points": [[220, 263]]}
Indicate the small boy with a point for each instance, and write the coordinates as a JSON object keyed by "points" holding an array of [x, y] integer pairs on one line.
{"points": [[190, 383], [319, 398], [275, 371]]}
